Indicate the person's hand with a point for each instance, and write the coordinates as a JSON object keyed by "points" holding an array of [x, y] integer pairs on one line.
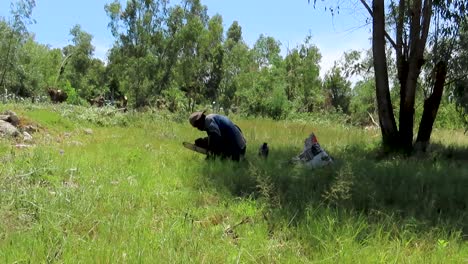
{"points": [[202, 142]]}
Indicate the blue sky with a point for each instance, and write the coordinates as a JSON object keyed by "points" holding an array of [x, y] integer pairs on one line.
{"points": [[288, 21]]}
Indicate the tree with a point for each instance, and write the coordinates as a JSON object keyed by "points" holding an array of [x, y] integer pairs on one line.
{"points": [[458, 74], [161, 48], [411, 22], [303, 85], [266, 51], [234, 33], [12, 35], [338, 89], [264, 92], [39, 64], [235, 66], [214, 57], [363, 101], [140, 57], [78, 65]]}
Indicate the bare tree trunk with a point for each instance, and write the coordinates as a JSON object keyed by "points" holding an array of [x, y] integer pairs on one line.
{"points": [[386, 117], [420, 21], [401, 51], [431, 106], [408, 84], [407, 108]]}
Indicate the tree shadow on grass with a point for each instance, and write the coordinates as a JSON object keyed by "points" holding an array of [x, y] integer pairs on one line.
{"points": [[441, 152], [431, 189]]}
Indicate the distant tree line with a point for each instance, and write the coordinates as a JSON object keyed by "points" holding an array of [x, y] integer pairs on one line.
{"points": [[179, 58]]}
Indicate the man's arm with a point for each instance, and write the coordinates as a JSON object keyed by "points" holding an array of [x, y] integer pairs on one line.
{"points": [[215, 143], [202, 142]]}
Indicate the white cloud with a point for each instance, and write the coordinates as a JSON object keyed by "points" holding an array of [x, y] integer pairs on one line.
{"points": [[101, 49], [329, 56], [332, 46]]}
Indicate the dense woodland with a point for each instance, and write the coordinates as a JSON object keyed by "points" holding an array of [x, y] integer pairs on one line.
{"points": [[178, 58]]}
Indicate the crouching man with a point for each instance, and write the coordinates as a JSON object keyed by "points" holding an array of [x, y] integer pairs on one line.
{"points": [[224, 139], [313, 155]]}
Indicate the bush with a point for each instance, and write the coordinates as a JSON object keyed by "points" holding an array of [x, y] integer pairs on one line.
{"points": [[73, 97], [278, 106]]}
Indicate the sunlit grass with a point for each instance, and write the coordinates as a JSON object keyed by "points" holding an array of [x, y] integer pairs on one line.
{"points": [[132, 193]]}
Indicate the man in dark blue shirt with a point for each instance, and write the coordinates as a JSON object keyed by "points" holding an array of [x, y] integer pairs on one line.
{"points": [[225, 139]]}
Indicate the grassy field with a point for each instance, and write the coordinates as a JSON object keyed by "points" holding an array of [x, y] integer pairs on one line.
{"points": [[128, 192]]}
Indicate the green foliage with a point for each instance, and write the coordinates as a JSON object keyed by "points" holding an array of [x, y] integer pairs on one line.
{"points": [[176, 99], [86, 75], [234, 33], [338, 89], [236, 67], [277, 104], [303, 84], [179, 54], [12, 35], [448, 117], [265, 93], [138, 44], [40, 67], [363, 101], [266, 52], [73, 97], [105, 116], [459, 73], [132, 193]]}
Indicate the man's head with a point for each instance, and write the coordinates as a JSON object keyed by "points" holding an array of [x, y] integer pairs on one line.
{"points": [[197, 120]]}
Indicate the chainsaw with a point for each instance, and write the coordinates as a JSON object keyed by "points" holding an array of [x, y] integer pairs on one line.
{"points": [[195, 148]]}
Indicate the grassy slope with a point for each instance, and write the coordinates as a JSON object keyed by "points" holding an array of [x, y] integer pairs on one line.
{"points": [[133, 194]]}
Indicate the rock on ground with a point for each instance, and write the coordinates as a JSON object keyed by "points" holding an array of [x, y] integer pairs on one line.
{"points": [[27, 136], [10, 117], [7, 129]]}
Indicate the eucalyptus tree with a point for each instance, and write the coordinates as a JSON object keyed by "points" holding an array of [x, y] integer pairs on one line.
{"points": [[412, 24], [160, 47], [266, 51], [214, 56], [264, 78], [192, 58], [338, 89], [13, 33], [141, 48], [78, 67], [303, 84], [235, 66], [39, 66], [458, 74]]}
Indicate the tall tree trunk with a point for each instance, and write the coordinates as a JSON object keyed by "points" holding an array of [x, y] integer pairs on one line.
{"points": [[386, 117], [407, 108], [408, 84], [431, 106], [421, 13]]}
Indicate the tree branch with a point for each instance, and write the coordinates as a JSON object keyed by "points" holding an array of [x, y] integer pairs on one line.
{"points": [[426, 21], [455, 79], [62, 66], [401, 55], [415, 30], [387, 36], [399, 31], [373, 120]]}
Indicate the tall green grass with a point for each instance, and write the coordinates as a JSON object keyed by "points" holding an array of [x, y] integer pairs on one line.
{"points": [[129, 192]]}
